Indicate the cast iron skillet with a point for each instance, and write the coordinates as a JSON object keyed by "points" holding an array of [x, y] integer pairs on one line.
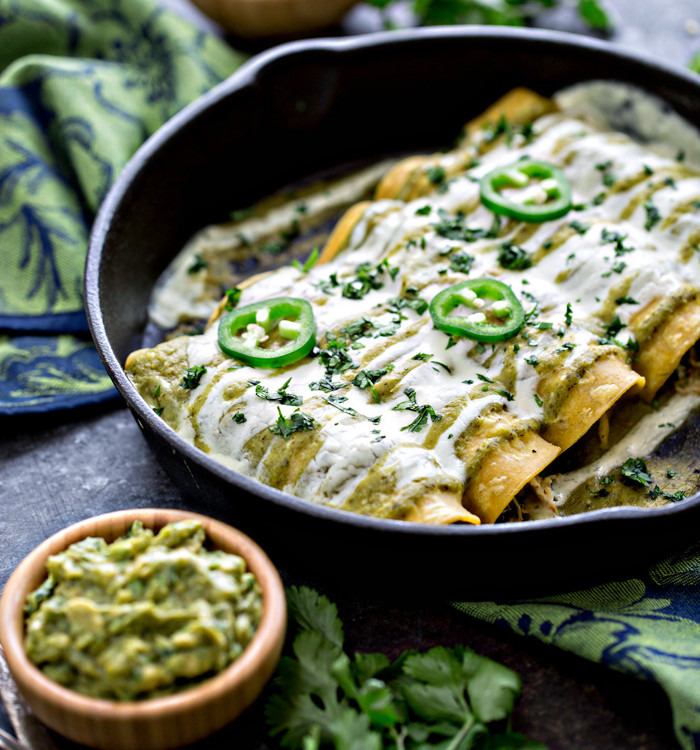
{"points": [[362, 97]]}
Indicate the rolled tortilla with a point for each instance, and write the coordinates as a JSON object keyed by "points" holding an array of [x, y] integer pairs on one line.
{"points": [[575, 400], [502, 455], [673, 336]]}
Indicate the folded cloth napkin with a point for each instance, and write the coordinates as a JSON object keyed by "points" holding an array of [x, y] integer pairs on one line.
{"points": [[82, 84], [647, 626]]}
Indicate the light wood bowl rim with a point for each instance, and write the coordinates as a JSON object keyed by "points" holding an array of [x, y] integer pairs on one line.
{"points": [[32, 570]]}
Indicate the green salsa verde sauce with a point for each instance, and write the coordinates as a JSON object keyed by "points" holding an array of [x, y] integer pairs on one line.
{"points": [[142, 617]]}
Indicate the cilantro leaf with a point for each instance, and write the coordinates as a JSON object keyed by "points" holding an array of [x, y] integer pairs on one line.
{"points": [[233, 295], [323, 697], [297, 422], [311, 611], [289, 399], [198, 264], [366, 378], [634, 471], [461, 262], [513, 257], [192, 376]]}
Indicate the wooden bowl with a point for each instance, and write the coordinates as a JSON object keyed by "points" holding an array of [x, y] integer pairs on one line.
{"points": [[265, 18], [156, 723]]}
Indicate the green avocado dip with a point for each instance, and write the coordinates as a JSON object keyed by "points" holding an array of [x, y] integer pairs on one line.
{"points": [[143, 617]]}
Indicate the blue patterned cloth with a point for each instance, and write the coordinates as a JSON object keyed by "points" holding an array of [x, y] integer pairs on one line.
{"points": [[82, 84], [648, 627]]}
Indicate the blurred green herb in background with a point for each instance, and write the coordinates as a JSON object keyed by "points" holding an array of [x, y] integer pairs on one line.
{"points": [[499, 12], [694, 64]]}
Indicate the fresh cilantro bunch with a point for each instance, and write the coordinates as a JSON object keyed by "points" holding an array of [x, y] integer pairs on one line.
{"points": [[498, 12], [449, 699]]}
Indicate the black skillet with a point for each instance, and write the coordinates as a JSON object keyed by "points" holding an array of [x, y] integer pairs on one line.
{"points": [[289, 113]]}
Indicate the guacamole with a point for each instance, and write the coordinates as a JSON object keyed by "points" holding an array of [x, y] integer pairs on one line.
{"points": [[145, 616]]}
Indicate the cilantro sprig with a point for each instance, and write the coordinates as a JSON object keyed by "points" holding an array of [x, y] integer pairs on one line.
{"points": [[448, 698]]}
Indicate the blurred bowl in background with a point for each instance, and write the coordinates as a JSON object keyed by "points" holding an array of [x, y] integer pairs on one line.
{"points": [[267, 18]]}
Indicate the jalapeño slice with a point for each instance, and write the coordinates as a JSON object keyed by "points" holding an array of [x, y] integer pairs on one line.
{"points": [[499, 322], [243, 330], [544, 192]]}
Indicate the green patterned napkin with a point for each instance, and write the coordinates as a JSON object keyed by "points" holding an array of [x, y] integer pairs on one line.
{"points": [[648, 627], [82, 84]]}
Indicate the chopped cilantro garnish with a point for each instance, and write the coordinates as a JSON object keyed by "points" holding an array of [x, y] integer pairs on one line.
{"points": [[290, 399], [233, 296], [366, 378], [335, 357], [461, 262], [455, 228], [239, 417], [617, 239], [436, 175], [326, 384], [358, 329], [418, 304], [424, 412], [309, 263], [653, 215], [424, 210], [513, 257], [198, 264], [614, 327], [328, 285], [674, 497], [368, 278], [444, 366], [579, 228], [297, 422], [634, 471], [338, 401], [192, 376]]}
